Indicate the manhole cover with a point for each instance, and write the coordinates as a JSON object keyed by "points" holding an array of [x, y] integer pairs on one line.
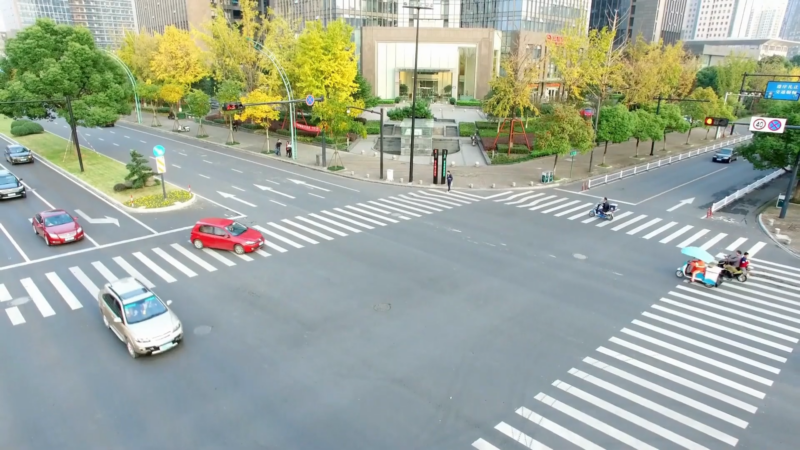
{"points": [[19, 301], [202, 330], [579, 256], [382, 307]]}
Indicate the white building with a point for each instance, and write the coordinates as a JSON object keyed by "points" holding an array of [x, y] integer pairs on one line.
{"points": [[766, 19], [742, 19]]}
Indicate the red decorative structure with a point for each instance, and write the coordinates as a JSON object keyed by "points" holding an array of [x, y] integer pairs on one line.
{"points": [[511, 133], [301, 126]]}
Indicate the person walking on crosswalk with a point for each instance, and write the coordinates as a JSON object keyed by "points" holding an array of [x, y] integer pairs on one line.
{"points": [[449, 180]]}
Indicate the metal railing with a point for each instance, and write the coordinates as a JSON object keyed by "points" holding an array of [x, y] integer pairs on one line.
{"points": [[745, 190], [608, 178]]}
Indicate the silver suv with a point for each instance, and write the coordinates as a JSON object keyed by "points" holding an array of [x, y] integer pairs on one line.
{"points": [[11, 186], [139, 318]]}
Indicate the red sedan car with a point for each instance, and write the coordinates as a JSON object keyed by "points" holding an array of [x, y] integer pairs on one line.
{"points": [[226, 234], [57, 227]]}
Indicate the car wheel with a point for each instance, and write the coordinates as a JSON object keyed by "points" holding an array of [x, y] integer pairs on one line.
{"points": [[238, 249], [47, 240], [105, 320], [198, 244], [24, 195], [131, 351], [34, 228]]}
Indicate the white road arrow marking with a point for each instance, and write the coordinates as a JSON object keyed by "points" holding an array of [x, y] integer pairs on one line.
{"points": [[688, 201], [308, 185], [231, 196], [265, 188], [96, 221]]}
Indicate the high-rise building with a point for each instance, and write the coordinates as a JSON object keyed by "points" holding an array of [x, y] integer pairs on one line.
{"points": [[653, 20], [766, 19], [742, 19], [155, 15], [790, 29]]}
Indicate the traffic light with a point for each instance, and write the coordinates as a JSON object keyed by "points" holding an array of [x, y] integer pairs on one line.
{"points": [[233, 106], [716, 122]]}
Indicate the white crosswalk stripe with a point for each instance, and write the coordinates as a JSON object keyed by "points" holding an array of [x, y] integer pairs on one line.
{"points": [[133, 272], [629, 223], [194, 258], [562, 206], [366, 219], [644, 226], [319, 225], [64, 291], [154, 267], [370, 214], [278, 237], [218, 256], [417, 205], [174, 262], [584, 206], [382, 211], [424, 201], [110, 277], [354, 222], [548, 204], [307, 230], [292, 233], [446, 198], [606, 223]]}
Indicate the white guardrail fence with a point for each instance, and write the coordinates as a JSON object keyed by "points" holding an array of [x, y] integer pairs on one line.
{"points": [[608, 178], [746, 190]]}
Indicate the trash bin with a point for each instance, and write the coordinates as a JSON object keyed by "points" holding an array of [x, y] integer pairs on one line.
{"points": [[318, 158], [544, 177], [779, 203], [181, 115], [389, 174]]}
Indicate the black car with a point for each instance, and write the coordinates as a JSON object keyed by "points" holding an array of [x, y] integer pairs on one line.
{"points": [[726, 155], [11, 186], [16, 154]]}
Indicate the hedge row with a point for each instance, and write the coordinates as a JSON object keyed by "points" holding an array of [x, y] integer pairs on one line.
{"points": [[25, 127]]}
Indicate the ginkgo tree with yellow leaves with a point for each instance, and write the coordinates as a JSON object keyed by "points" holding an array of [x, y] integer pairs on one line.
{"points": [[178, 62], [260, 115], [136, 51]]}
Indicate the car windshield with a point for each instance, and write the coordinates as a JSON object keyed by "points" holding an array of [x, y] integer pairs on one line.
{"points": [[7, 179], [142, 310], [19, 150], [236, 228], [725, 151], [54, 221]]}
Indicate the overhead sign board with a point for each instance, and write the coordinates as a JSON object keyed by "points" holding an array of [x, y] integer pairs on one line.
{"points": [[783, 90], [767, 125]]}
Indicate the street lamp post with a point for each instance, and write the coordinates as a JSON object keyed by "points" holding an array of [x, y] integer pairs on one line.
{"points": [[416, 7], [381, 135]]}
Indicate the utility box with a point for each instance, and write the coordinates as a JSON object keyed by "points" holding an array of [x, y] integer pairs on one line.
{"points": [[781, 199], [389, 174]]}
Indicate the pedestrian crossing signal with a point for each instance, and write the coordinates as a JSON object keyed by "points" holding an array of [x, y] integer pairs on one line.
{"points": [[716, 122], [233, 106]]}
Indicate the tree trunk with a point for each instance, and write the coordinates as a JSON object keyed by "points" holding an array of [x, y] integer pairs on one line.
{"points": [[689, 135], [200, 130], [155, 123], [605, 150], [637, 148], [230, 130], [708, 130], [555, 163], [665, 141], [266, 141]]}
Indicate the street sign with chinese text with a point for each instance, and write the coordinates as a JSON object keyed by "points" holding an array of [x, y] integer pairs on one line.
{"points": [[783, 90]]}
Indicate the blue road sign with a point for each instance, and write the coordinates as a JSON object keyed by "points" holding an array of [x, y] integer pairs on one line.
{"points": [[158, 151], [775, 125], [783, 90], [310, 100]]}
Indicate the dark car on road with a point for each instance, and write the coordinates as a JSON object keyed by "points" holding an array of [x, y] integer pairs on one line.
{"points": [[11, 186], [16, 154], [726, 155]]}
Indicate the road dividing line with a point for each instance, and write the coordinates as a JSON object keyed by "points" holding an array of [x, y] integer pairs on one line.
{"points": [[516, 435], [174, 262], [64, 291], [85, 281], [154, 267], [675, 234], [557, 429], [194, 258], [315, 195], [38, 299], [14, 243], [278, 203], [133, 272], [238, 188], [110, 277], [15, 316], [215, 254], [237, 171], [207, 178]]}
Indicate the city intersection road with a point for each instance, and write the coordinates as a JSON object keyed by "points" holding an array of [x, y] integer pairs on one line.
{"points": [[683, 190], [248, 182], [481, 326]]}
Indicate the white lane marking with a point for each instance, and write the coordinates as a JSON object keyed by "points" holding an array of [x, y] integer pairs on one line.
{"points": [[497, 195], [64, 291], [15, 316], [536, 202], [279, 203], [99, 138], [676, 234], [557, 429], [756, 248], [689, 368], [716, 337], [85, 281], [333, 222], [104, 271], [362, 225], [14, 243], [382, 211], [572, 210], [629, 223], [565, 205], [243, 257], [194, 258], [659, 230], [308, 230], [207, 161], [393, 208], [692, 238], [175, 166], [143, 142], [590, 219], [277, 236], [38, 299], [238, 171], [667, 393], [512, 197], [679, 380], [262, 253], [5, 296], [293, 233], [238, 188], [736, 244], [524, 199], [769, 263], [643, 226], [471, 197], [315, 195], [750, 307], [208, 178], [592, 422], [606, 223], [445, 199], [772, 289], [360, 217], [273, 182], [371, 214], [319, 225], [174, 262], [116, 145], [545, 205], [111, 132], [681, 185], [480, 444], [127, 137], [215, 254], [133, 272], [417, 203], [154, 267], [763, 294], [516, 435]]}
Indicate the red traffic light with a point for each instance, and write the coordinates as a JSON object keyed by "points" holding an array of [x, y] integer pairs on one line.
{"points": [[709, 121], [716, 122]]}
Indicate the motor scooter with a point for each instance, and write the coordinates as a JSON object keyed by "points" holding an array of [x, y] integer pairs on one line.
{"points": [[740, 274], [597, 211]]}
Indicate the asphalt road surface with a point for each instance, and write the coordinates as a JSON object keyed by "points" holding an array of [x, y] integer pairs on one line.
{"points": [[414, 319]]}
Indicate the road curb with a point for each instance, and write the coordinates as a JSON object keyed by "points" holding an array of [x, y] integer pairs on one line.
{"points": [[764, 229]]}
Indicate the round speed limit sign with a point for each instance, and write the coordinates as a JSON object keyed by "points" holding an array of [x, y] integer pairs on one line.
{"points": [[759, 124]]}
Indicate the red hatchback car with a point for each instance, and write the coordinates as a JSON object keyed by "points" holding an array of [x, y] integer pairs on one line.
{"points": [[226, 234], [57, 227]]}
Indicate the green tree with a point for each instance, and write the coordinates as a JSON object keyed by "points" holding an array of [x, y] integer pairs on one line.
{"points": [[645, 126], [707, 77], [136, 51], [673, 120], [139, 170], [150, 93], [229, 91], [199, 104], [603, 64], [698, 111], [565, 130], [615, 126], [731, 72], [364, 92], [49, 61]]}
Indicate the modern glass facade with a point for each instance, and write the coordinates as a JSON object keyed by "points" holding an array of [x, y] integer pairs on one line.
{"points": [[107, 20], [653, 20], [370, 13]]}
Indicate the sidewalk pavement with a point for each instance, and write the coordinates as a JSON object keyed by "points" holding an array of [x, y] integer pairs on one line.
{"points": [[789, 226], [362, 162]]}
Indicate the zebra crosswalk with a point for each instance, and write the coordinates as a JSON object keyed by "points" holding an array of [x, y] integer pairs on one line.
{"points": [[628, 222], [690, 372], [76, 287]]}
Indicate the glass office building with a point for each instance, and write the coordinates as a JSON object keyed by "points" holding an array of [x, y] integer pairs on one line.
{"points": [[107, 20]]}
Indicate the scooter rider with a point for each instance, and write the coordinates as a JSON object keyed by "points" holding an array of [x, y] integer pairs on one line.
{"points": [[733, 262], [605, 207]]}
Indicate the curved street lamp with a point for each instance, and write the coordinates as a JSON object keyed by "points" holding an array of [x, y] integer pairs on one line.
{"points": [[132, 79]]}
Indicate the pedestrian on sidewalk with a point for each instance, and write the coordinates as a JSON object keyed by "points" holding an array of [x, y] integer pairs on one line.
{"points": [[288, 149], [449, 180], [278, 148]]}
